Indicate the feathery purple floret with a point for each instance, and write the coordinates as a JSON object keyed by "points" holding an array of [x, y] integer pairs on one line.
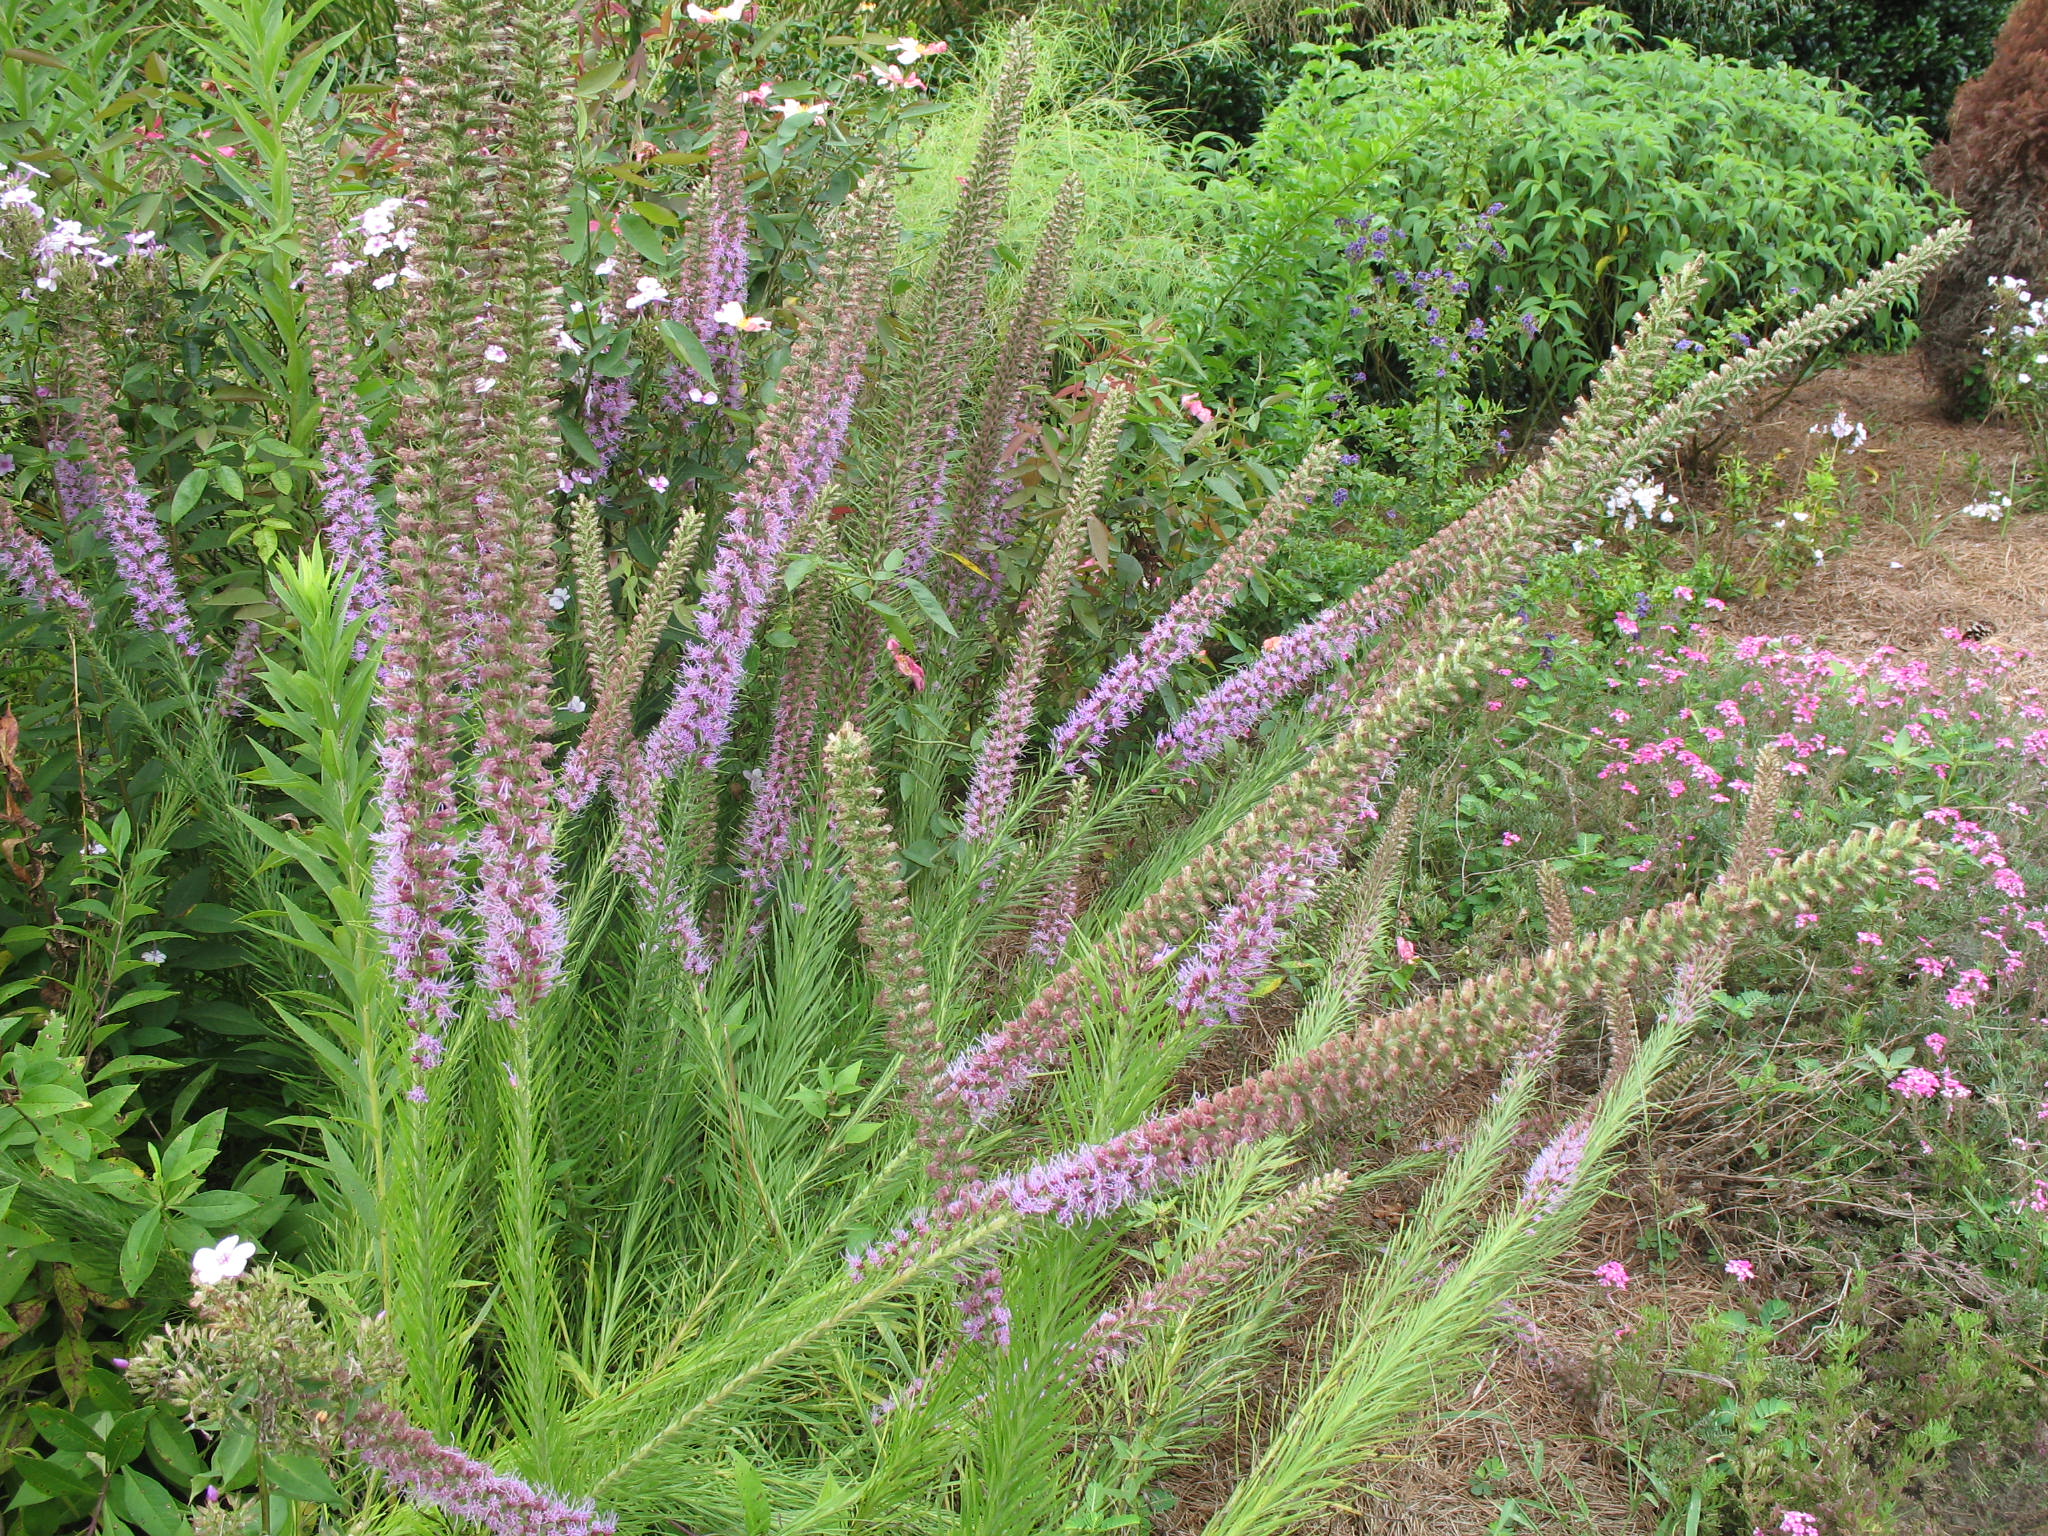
{"points": [[1549, 1181], [715, 268], [984, 1317], [142, 556], [1135, 677], [607, 406], [355, 527], [1215, 982], [231, 693], [435, 1476], [1054, 923], [141, 550], [78, 496], [26, 561], [770, 828]]}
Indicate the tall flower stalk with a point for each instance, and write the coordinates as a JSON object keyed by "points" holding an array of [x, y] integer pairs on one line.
{"points": [[797, 450], [486, 108], [1247, 1244], [447, 111], [353, 524], [715, 267], [435, 1476], [983, 521], [772, 815], [1451, 1030], [518, 905], [903, 993], [946, 323], [1002, 751], [1136, 675], [140, 546]]}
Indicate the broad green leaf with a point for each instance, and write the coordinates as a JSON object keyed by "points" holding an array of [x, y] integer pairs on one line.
{"points": [[684, 342]]}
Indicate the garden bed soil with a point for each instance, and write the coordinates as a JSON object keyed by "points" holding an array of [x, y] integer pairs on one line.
{"points": [[1916, 566]]}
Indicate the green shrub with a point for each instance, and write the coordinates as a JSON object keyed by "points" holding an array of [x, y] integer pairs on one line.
{"points": [[1611, 162]]}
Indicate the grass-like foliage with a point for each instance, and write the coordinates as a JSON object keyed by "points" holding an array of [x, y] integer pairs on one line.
{"points": [[781, 1042]]}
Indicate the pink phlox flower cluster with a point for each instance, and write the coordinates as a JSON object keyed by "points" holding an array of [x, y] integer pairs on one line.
{"points": [[1741, 1269], [1612, 1275], [1969, 989], [1920, 1083]]}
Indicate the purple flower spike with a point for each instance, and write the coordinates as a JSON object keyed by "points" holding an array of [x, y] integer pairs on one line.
{"points": [[1215, 982], [435, 1476], [142, 552], [1180, 631], [796, 453], [25, 561]]}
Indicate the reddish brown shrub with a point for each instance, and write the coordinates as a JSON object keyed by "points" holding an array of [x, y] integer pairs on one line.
{"points": [[1995, 165]]}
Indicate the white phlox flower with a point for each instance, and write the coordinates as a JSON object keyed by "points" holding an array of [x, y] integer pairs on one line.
{"points": [[223, 1261]]}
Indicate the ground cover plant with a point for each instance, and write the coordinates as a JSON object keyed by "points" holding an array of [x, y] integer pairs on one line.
{"points": [[733, 1019]]}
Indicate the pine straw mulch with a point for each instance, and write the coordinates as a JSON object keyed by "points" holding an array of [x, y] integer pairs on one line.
{"points": [[1916, 566]]}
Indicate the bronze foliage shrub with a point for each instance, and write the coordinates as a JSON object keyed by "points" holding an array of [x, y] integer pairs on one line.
{"points": [[1995, 165]]}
